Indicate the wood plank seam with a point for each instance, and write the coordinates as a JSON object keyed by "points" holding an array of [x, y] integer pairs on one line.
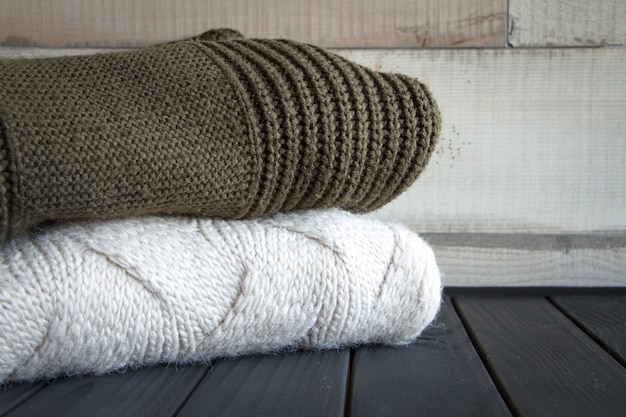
{"points": [[192, 390], [483, 357], [412, 380], [587, 331], [348, 393], [22, 400]]}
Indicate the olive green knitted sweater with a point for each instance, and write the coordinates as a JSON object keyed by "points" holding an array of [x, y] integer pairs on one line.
{"points": [[232, 128]]}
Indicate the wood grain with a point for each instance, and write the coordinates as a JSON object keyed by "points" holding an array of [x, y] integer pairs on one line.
{"points": [[413, 380], [487, 266], [158, 391], [296, 384], [543, 363], [585, 23], [353, 23], [519, 259], [602, 316]]}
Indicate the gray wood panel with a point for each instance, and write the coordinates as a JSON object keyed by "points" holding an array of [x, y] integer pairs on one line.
{"points": [[297, 384], [542, 362], [158, 391]]}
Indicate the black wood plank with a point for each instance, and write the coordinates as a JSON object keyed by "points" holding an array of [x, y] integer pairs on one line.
{"points": [[438, 375], [12, 396], [158, 391], [543, 363], [603, 317], [295, 384]]}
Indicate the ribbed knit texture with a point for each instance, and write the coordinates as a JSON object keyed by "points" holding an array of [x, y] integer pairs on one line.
{"points": [[233, 128], [98, 296]]}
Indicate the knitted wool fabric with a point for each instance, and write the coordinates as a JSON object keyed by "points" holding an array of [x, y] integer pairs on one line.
{"points": [[98, 296], [231, 128]]}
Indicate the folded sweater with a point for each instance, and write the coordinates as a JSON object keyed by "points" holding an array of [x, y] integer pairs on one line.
{"points": [[214, 125], [96, 296]]}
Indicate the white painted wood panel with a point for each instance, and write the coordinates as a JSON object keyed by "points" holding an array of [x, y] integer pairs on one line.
{"points": [[567, 23], [533, 141], [346, 23]]}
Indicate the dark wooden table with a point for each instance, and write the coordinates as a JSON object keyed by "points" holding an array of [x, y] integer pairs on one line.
{"points": [[491, 352]]}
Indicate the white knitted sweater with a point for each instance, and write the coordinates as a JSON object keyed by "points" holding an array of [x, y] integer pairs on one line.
{"points": [[98, 296]]}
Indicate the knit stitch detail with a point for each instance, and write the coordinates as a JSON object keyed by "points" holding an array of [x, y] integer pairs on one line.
{"points": [[326, 142], [214, 125], [250, 115], [421, 122], [96, 296], [127, 133]]}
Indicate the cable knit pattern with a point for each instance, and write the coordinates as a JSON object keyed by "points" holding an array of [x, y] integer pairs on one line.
{"points": [[213, 125], [98, 296]]}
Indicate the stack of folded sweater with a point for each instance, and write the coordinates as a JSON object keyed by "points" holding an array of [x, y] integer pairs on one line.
{"points": [[201, 199]]}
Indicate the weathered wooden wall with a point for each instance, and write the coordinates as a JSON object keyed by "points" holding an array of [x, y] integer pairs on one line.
{"points": [[528, 184]]}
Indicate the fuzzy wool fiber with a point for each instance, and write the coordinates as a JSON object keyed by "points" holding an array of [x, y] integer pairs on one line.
{"points": [[97, 296]]}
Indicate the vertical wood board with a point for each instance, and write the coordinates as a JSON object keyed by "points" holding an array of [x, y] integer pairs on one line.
{"points": [[353, 23], [567, 23]]}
